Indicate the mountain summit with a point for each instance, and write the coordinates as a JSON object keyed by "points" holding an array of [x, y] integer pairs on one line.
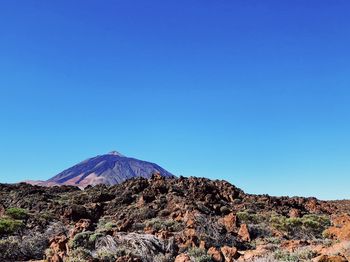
{"points": [[112, 168]]}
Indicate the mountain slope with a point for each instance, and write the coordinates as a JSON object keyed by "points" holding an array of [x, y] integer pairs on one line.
{"points": [[110, 169]]}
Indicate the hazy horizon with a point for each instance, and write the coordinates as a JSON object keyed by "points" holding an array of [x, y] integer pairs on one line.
{"points": [[255, 93]]}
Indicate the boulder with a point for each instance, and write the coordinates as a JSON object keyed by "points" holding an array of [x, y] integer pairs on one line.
{"points": [[229, 253], [81, 226], [244, 233], [183, 258], [215, 254], [230, 222], [59, 248]]}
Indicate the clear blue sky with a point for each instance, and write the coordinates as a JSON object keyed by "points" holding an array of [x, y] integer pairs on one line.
{"points": [[253, 92]]}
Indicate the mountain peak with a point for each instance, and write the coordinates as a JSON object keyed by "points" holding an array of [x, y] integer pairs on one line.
{"points": [[115, 153], [110, 169]]}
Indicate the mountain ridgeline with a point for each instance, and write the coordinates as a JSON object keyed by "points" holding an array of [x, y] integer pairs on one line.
{"points": [[110, 169]]}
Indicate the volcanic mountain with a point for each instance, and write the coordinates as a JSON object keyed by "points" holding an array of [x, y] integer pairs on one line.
{"points": [[110, 169]]}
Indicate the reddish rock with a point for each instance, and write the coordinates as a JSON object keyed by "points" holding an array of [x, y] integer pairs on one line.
{"points": [[190, 232], [325, 258], [202, 244], [339, 248], [183, 258], [163, 234], [294, 213], [229, 253], [178, 218], [59, 247], [191, 242], [312, 205], [81, 226], [149, 230], [190, 223], [229, 221], [215, 254], [190, 219], [252, 254], [244, 233], [340, 229], [188, 240]]}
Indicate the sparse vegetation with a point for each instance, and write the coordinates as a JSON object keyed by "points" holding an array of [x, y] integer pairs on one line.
{"points": [[301, 254], [84, 239], [9, 225], [168, 224], [199, 255], [17, 213], [31, 247], [308, 226], [248, 218], [105, 225], [79, 255]]}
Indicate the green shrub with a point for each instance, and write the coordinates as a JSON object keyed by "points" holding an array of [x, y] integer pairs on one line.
{"points": [[79, 255], [315, 223], [199, 255], [110, 225], [285, 224], [306, 254], [281, 255], [310, 226], [83, 239], [47, 216], [17, 213], [9, 226], [95, 236], [145, 213], [196, 252], [17, 248], [163, 258], [105, 255], [248, 218], [273, 240], [302, 254], [106, 224], [169, 224]]}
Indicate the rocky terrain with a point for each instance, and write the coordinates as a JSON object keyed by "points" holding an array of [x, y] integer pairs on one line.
{"points": [[162, 219]]}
